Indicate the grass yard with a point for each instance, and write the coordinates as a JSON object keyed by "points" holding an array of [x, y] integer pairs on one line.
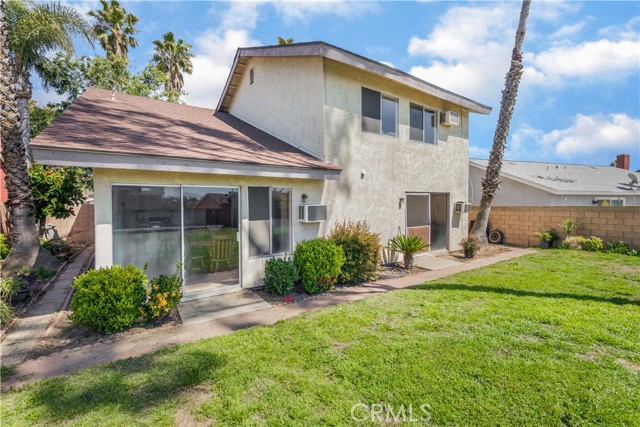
{"points": [[549, 339]]}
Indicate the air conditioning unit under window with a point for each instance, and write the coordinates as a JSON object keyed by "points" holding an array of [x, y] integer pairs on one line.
{"points": [[449, 118], [462, 207], [312, 213]]}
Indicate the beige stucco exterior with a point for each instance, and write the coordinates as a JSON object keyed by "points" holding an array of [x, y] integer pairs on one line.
{"points": [[315, 103]]}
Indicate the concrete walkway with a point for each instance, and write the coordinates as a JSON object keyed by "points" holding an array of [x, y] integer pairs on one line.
{"points": [[23, 337], [110, 350]]}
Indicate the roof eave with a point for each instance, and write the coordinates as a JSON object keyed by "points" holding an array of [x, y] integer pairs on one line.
{"points": [[48, 155], [340, 55]]}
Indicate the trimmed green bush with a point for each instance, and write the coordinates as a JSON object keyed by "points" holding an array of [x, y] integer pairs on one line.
{"points": [[572, 242], [280, 276], [319, 262], [621, 248], [5, 247], [592, 244], [110, 299], [165, 294], [361, 249]]}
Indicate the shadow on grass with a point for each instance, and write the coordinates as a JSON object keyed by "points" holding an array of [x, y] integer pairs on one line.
{"points": [[521, 293], [131, 386]]}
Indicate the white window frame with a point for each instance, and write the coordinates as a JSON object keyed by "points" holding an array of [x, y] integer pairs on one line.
{"points": [[397, 113], [271, 188], [609, 199]]}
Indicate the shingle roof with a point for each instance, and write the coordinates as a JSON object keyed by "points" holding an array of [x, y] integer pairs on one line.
{"points": [[141, 126], [560, 178]]}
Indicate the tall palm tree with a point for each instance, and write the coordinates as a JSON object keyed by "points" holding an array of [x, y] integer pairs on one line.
{"points": [[491, 181], [34, 31], [173, 58], [25, 242], [115, 28]]}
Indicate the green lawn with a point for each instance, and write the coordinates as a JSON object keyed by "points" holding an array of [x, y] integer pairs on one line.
{"points": [[549, 339]]}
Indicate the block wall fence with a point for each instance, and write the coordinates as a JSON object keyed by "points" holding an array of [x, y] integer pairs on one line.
{"points": [[519, 223]]}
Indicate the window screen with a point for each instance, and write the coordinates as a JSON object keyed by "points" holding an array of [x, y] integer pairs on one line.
{"points": [[259, 221], [370, 110], [430, 126], [281, 220], [389, 116], [416, 123]]}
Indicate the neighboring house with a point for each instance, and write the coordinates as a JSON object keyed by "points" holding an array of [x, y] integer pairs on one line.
{"points": [[556, 184], [304, 136]]}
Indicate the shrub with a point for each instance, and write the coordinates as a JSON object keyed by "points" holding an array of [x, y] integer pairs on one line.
{"points": [[572, 242], [110, 299], [620, 247], [280, 276], [9, 286], [361, 250], [319, 262], [547, 237], [592, 244], [470, 246], [165, 294], [5, 246], [408, 246]]}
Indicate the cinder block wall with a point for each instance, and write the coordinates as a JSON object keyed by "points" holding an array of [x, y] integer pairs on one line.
{"points": [[518, 223]]}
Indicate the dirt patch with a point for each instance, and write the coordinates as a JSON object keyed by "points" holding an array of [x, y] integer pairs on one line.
{"points": [[65, 335], [190, 399], [629, 365], [530, 338], [484, 252], [593, 354]]}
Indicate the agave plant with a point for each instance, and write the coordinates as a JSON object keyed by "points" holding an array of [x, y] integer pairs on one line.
{"points": [[408, 246]]}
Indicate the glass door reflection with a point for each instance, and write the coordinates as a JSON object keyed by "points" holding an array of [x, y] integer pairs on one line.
{"points": [[210, 227]]}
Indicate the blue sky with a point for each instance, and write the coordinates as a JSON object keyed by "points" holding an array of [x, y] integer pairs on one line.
{"points": [[579, 100]]}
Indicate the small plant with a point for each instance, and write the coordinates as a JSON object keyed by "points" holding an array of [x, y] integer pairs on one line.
{"points": [[319, 262], [572, 242], [110, 299], [9, 286], [361, 250], [569, 226], [547, 238], [592, 244], [620, 247], [5, 246], [470, 246], [165, 294], [42, 273], [408, 246], [280, 276]]}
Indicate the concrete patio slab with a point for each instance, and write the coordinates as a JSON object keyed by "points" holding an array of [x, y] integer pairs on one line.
{"points": [[432, 263], [220, 306]]}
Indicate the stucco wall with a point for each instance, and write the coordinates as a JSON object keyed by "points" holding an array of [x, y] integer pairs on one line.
{"points": [[392, 165], [285, 100], [514, 193], [252, 268]]}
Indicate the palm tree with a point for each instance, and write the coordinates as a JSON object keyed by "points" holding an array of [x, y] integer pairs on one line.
{"points": [[173, 58], [115, 28], [283, 41], [25, 242], [491, 181], [34, 31]]}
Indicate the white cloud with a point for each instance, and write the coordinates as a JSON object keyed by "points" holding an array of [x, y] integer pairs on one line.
{"points": [[589, 139], [82, 6], [297, 12], [568, 30]]}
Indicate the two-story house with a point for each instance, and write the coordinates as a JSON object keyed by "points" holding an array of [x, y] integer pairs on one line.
{"points": [[304, 136]]}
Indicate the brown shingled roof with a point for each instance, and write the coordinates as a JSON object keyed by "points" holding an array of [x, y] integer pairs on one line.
{"points": [[137, 125]]}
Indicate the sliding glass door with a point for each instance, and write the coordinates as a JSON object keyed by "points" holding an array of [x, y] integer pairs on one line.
{"points": [[211, 248]]}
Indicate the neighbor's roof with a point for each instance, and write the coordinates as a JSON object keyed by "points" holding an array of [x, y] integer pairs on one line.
{"points": [[326, 50], [560, 178], [138, 126]]}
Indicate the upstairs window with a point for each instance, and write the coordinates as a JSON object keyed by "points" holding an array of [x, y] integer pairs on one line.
{"points": [[379, 113], [422, 124]]}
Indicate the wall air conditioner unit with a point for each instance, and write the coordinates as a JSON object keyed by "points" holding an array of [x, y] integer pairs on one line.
{"points": [[462, 207], [312, 213], [450, 118]]}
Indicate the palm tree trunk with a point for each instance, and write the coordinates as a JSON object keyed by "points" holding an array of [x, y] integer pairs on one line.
{"points": [[25, 242], [491, 181], [23, 93]]}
